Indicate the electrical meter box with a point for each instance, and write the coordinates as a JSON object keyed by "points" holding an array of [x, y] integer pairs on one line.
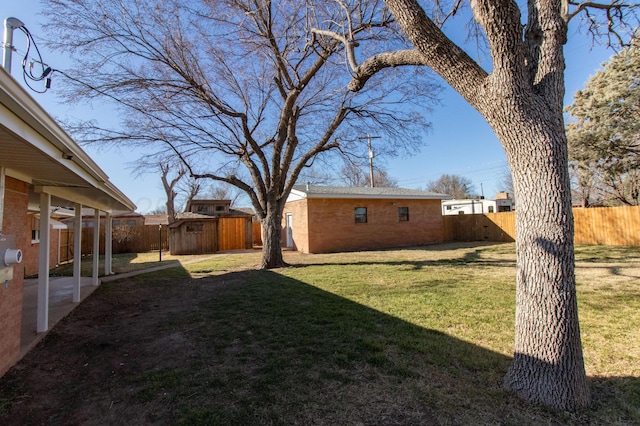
{"points": [[9, 256]]}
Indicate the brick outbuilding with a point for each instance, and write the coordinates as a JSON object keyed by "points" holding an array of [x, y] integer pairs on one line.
{"points": [[322, 219]]}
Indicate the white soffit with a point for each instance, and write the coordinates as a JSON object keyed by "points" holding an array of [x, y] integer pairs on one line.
{"points": [[37, 150]]}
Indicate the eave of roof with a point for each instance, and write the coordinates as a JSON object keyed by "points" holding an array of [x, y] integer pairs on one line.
{"points": [[156, 219], [36, 149], [310, 191]]}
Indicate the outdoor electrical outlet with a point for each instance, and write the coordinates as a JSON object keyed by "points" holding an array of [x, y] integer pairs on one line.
{"points": [[6, 274]]}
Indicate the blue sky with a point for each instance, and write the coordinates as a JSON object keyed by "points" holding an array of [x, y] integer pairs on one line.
{"points": [[460, 142]]}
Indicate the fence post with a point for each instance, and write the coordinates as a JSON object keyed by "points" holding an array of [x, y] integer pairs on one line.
{"points": [[160, 241]]}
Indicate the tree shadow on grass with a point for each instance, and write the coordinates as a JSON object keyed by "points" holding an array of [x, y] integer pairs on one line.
{"points": [[454, 245], [467, 258], [256, 347], [627, 270], [121, 263]]}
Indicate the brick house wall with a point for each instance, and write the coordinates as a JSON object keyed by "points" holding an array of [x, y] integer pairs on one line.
{"points": [[15, 223], [31, 252], [330, 224]]}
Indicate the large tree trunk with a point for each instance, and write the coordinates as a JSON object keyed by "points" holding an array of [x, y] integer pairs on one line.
{"points": [[272, 238], [522, 101], [548, 366], [171, 210]]}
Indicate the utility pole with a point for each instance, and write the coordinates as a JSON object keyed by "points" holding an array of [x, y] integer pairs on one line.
{"points": [[369, 137]]}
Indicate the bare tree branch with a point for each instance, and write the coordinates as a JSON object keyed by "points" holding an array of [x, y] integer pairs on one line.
{"points": [[615, 19], [241, 92], [376, 63]]}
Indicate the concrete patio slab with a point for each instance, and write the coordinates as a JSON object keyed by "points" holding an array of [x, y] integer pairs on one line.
{"points": [[61, 297], [60, 304]]}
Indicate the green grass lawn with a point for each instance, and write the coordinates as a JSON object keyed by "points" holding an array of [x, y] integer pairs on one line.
{"points": [[449, 310], [413, 336]]}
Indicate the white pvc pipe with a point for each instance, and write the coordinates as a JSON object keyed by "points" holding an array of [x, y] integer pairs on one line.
{"points": [[10, 24]]}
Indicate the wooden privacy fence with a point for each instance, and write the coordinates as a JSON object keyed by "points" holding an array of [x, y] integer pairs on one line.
{"points": [[614, 226], [609, 226], [66, 245], [480, 227], [126, 239], [199, 236], [257, 233]]}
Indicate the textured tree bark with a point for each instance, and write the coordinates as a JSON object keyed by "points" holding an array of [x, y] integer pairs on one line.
{"points": [[548, 366], [271, 238], [521, 99], [169, 189]]}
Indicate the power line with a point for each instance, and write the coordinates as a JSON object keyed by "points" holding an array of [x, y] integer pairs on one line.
{"points": [[468, 171], [29, 63]]}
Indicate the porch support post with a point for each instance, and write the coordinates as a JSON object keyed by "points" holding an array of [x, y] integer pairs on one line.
{"points": [[43, 264], [58, 261], [108, 243], [77, 252], [96, 246], [2, 190]]}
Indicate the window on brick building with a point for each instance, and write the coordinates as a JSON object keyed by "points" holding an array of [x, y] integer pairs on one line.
{"points": [[361, 214], [403, 214]]}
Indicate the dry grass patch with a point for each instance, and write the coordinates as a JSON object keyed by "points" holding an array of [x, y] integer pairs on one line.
{"points": [[609, 303], [413, 336], [130, 262]]}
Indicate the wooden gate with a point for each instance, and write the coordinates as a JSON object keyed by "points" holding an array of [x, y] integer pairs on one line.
{"points": [[233, 234]]}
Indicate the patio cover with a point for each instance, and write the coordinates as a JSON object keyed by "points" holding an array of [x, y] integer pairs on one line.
{"points": [[35, 149]]}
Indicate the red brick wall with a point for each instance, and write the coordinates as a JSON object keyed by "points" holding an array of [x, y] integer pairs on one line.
{"points": [[332, 227], [15, 223], [31, 251]]}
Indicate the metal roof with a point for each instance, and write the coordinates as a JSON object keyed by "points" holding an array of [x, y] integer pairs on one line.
{"points": [[312, 191], [156, 219], [35, 149]]}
